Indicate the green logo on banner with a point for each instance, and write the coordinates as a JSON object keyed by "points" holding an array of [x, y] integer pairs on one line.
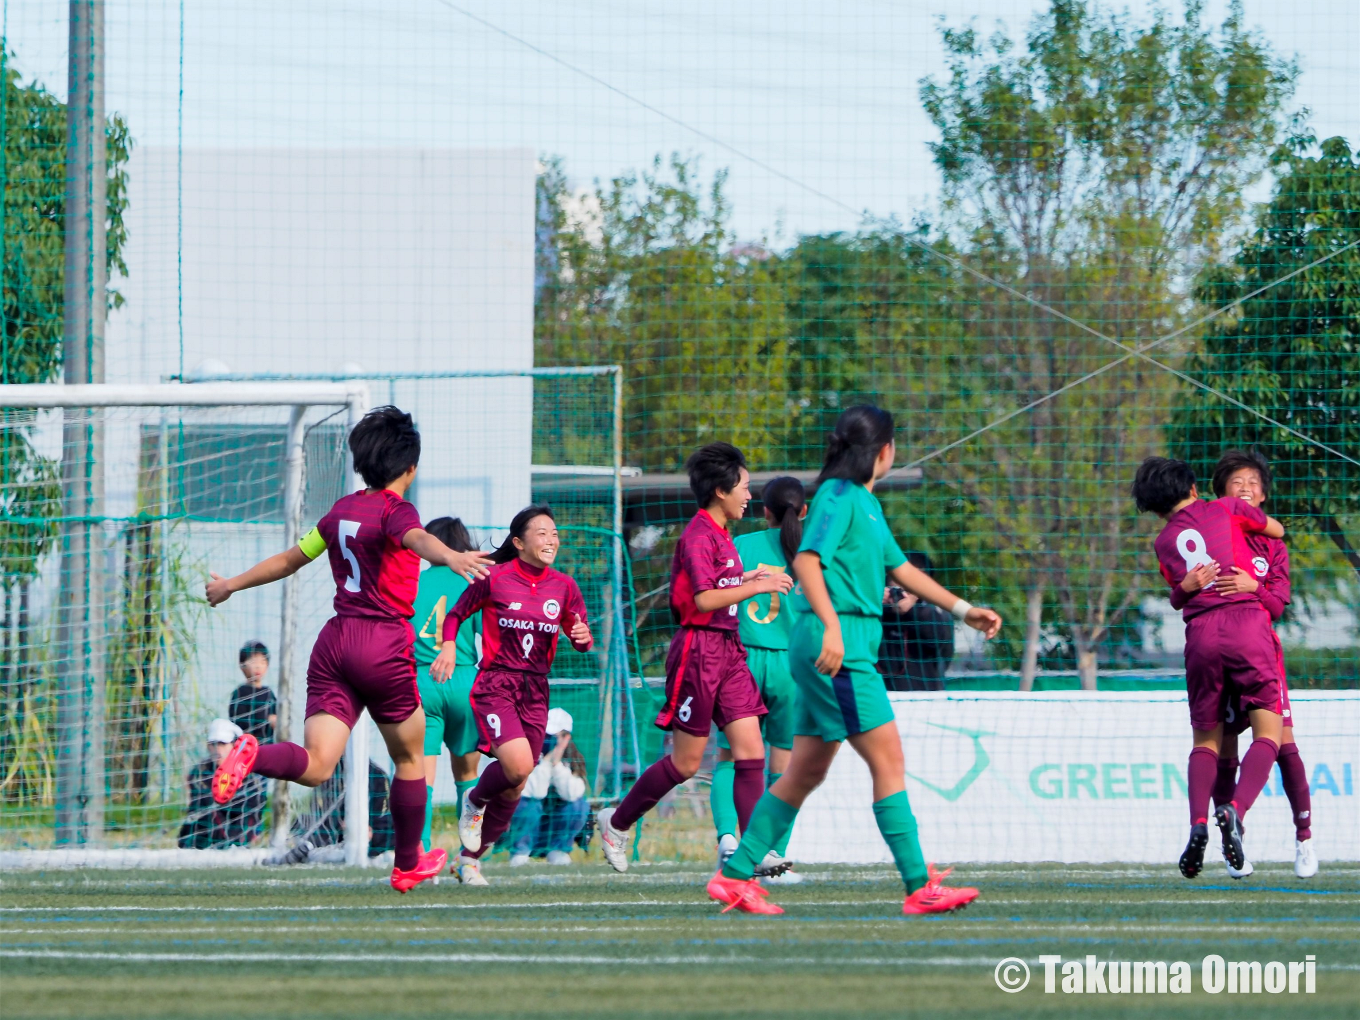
{"points": [[980, 763]]}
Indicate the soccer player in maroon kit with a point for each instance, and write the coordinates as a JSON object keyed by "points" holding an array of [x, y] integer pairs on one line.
{"points": [[707, 678], [1230, 648], [1246, 476], [525, 604], [362, 657]]}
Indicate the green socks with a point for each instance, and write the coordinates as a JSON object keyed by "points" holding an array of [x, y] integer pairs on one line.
{"points": [[771, 822], [898, 826], [721, 801], [429, 817], [781, 847], [463, 788]]}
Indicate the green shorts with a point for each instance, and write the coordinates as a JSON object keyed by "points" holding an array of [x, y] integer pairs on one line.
{"points": [[770, 667], [448, 711], [855, 700]]}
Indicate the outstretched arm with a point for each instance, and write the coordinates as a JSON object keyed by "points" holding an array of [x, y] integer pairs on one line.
{"points": [[762, 582], [275, 568], [808, 566], [471, 565], [919, 583], [1273, 528]]}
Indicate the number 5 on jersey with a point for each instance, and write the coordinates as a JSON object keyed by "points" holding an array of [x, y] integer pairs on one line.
{"points": [[347, 530]]}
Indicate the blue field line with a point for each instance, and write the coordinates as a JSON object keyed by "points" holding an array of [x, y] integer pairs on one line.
{"points": [[1244, 887]]}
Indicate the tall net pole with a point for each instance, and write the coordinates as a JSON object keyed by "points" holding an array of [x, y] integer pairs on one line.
{"points": [[80, 750]]}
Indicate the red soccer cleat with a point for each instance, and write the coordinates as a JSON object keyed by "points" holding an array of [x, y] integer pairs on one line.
{"points": [[428, 866], [741, 894], [936, 898], [234, 768]]}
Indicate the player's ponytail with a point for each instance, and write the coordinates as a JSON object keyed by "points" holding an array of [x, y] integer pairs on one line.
{"points": [[784, 498], [452, 532], [506, 551], [853, 445]]}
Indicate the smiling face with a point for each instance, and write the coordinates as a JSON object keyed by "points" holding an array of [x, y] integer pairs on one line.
{"points": [[733, 504], [540, 543], [1245, 484]]}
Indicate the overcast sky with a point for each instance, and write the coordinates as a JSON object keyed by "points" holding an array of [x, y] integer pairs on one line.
{"points": [[825, 94]]}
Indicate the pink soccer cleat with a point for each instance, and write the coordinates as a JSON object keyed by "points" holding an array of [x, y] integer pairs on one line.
{"points": [[234, 768], [428, 866], [741, 894], [937, 898]]}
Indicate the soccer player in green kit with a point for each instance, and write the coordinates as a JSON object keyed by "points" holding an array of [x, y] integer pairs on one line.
{"points": [[448, 705], [845, 551], [763, 624]]}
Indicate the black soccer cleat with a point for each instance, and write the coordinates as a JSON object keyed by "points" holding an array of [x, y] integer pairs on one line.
{"points": [[1231, 827], [1192, 860]]}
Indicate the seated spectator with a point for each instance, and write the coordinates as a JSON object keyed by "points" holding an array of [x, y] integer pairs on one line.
{"points": [[918, 638], [210, 825], [253, 706], [322, 824], [553, 810]]}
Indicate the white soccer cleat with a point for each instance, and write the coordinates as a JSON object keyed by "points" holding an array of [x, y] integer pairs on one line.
{"points": [[773, 866], [613, 842], [518, 860], [559, 857], [469, 871], [727, 846], [1242, 872], [470, 825], [1305, 861]]}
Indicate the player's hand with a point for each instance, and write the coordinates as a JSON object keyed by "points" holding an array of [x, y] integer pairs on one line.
{"points": [[767, 582], [217, 590], [833, 652], [471, 565], [1240, 582], [986, 620], [442, 667], [580, 633], [1200, 577]]}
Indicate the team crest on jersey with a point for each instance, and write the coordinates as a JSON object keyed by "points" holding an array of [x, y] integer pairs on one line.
{"points": [[551, 609], [1260, 565]]}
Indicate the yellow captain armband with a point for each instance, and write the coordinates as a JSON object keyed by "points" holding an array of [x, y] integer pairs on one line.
{"points": [[312, 544]]}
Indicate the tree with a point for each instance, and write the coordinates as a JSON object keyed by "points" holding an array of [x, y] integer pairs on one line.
{"points": [[1090, 171], [1292, 351]]}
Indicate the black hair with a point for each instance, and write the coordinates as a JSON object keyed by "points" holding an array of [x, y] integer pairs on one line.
{"points": [[921, 561], [712, 469], [506, 551], [1234, 461], [251, 649], [785, 498], [385, 445], [853, 445], [1161, 483], [452, 532]]}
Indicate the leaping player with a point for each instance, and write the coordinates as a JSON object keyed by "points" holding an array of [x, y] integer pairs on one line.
{"points": [[362, 657]]}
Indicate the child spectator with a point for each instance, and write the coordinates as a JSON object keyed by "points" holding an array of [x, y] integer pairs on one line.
{"points": [[253, 706]]}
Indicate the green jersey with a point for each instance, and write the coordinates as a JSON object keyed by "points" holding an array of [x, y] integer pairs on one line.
{"points": [[764, 621], [846, 528], [439, 590]]}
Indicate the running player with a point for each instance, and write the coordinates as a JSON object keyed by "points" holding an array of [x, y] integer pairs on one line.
{"points": [[833, 651], [1230, 649], [1246, 476], [525, 604], [362, 657], [763, 624], [707, 679], [448, 705]]}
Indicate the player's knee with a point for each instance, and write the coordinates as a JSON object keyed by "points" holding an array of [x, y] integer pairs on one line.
{"points": [[517, 772], [686, 767]]}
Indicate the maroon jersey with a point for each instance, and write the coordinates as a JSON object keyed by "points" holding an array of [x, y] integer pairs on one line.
{"points": [[523, 611], [1270, 567], [705, 559], [1203, 533], [374, 575]]}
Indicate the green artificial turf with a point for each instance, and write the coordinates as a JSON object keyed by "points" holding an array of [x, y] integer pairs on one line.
{"points": [[581, 941]]}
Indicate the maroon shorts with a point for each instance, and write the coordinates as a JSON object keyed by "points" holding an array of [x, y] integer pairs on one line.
{"points": [[360, 662], [1235, 719], [508, 704], [1231, 652], [707, 681]]}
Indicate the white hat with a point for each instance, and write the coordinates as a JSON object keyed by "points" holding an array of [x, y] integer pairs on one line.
{"points": [[559, 719], [223, 731]]}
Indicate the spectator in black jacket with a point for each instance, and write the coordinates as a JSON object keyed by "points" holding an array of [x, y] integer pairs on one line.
{"points": [[236, 823], [918, 638], [253, 706]]}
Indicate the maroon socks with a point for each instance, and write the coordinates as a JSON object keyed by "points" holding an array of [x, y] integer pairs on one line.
{"points": [[1225, 783], [1256, 766], [491, 783], [495, 823], [1295, 778], [283, 761], [407, 802], [747, 786], [1200, 776], [660, 779]]}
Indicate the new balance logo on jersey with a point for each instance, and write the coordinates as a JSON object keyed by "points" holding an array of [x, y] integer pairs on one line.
{"points": [[516, 605]]}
